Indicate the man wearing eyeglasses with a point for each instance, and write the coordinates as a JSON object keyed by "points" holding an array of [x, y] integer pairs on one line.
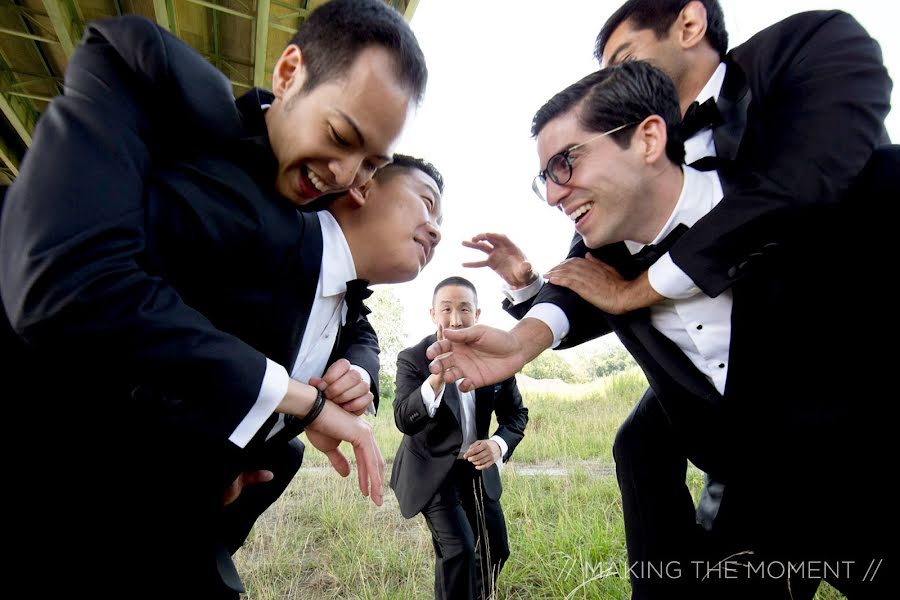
{"points": [[745, 384], [766, 114]]}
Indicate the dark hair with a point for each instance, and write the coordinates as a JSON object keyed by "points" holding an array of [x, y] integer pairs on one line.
{"points": [[402, 161], [455, 280], [658, 16], [625, 93], [338, 31]]}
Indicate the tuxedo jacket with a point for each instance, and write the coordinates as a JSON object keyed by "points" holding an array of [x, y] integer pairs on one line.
{"points": [[431, 444], [148, 258], [157, 245], [803, 104]]}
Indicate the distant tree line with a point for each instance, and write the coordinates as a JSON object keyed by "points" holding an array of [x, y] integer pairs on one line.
{"points": [[585, 368]]}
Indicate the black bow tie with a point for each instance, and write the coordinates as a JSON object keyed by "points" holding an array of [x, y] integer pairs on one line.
{"points": [[699, 116], [357, 291], [650, 253]]}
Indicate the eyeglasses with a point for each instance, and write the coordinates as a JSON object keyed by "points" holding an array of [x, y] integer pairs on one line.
{"points": [[559, 167]]}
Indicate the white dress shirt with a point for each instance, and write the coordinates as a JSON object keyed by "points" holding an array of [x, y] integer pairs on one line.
{"points": [[466, 412], [328, 312]]}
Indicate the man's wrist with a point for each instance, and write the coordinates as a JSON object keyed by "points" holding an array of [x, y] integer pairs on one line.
{"points": [[532, 336], [495, 449], [524, 293], [299, 399], [314, 411], [640, 294], [436, 381]]}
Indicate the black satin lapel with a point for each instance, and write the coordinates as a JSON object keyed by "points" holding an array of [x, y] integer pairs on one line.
{"points": [[733, 102]]}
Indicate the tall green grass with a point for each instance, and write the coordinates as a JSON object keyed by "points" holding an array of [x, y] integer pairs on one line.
{"points": [[323, 540]]}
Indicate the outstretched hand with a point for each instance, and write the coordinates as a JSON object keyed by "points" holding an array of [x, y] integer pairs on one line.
{"points": [[480, 355], [503, 257]]}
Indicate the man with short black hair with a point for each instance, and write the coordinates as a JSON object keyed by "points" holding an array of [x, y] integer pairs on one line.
{"points": [[760, 416], [446, 467], [172, 338], [764, 115]]}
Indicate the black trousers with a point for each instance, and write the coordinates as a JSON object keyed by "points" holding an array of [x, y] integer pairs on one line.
{"points": [[774, 537], [468, 531]]}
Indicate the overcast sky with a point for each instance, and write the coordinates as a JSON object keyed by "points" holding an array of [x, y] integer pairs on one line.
{"points": [[491, 65]]}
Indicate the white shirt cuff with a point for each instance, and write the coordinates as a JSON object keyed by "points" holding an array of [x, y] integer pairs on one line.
{"points": [[669, 280], [272, 391], [364, 375], [553, 317], [504, 448], [520, 295], [431, 401]]}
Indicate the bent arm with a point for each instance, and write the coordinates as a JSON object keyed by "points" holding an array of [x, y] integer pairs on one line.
{"points": [[818, 112], [71, 238]]}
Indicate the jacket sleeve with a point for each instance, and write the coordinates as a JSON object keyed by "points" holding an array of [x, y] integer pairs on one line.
{"points": [[73, 226], [512, 415], [820, 96], [410, 414], [586, 322], [363, 351]]}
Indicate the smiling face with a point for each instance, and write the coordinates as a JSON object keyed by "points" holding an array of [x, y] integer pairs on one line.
{"points": [[333, 137], [392, 236], [602, 197], [455, 307]]}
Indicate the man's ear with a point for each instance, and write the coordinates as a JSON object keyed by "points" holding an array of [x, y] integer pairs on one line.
{"points": [[691, 24], [477, 314], [359, 194], [653, 136], [288, 70]]}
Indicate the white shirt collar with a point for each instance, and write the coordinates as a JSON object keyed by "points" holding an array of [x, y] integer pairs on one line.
{"points": [[713, 86], [697, 198], [337, 261]]}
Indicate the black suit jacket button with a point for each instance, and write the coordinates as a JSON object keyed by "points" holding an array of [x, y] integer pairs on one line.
{"points": [[414, 415], [743, 265], [770, 246], [732, 272]]}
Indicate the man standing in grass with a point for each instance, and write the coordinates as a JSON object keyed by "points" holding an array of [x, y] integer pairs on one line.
{"points": [[446, 467]]}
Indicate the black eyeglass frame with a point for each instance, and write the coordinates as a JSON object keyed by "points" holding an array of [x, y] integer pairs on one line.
{"points": [[564, 158]]}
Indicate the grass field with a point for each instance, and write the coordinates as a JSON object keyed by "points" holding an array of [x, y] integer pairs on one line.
{"points": [[323, 540]]}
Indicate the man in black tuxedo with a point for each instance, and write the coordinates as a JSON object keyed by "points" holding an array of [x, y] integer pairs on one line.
{"points": [[163, 275], [387, 239], [771, 427], [446, 466], [767, 122]]}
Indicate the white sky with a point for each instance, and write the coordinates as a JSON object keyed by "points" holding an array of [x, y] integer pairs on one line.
{"points": [[491, 65]]}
